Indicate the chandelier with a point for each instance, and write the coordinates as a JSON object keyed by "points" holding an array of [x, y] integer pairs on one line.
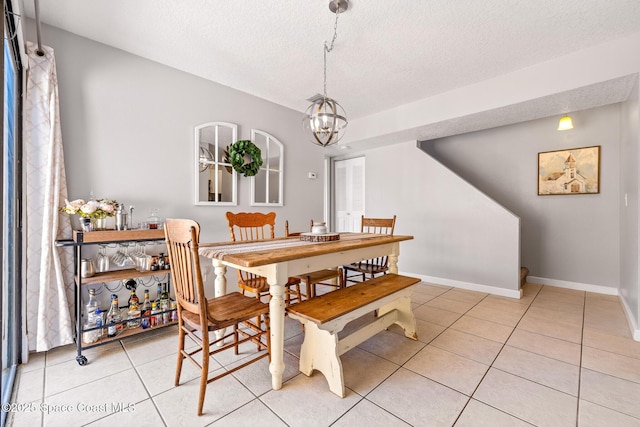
{"points": [[325, 120]]}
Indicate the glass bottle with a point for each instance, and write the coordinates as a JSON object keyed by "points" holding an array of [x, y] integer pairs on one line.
{"points": [[91, 320], [92, 306], [161, 261], [113, 318], [134, 310], [174, 311], [158, 294], [145, 311], [154, 314], [98, 322], [165, 304], [165, 293]]}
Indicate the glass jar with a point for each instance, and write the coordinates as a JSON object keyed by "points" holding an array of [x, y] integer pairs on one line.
{"points": [[154, 220]]}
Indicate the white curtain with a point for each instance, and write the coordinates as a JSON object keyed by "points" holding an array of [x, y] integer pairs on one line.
{"points": [[49, 269]]}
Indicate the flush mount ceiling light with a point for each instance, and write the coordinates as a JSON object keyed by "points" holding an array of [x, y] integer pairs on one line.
{"points": [[565, 123], [325, 120]]}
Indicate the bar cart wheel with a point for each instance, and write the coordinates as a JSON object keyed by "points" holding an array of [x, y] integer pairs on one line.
{"points": [[82, 360]]}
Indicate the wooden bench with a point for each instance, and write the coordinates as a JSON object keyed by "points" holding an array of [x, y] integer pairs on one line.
{"points": [[325, 316]]}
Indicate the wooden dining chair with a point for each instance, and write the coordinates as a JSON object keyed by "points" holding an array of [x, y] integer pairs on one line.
{"points": [[373, 266], [247, 226], [330, 277], [197, 315]]}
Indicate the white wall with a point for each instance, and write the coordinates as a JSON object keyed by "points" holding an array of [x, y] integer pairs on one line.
{"points": [[630, 155], [564, 238], [127, 128], [461, 237]]}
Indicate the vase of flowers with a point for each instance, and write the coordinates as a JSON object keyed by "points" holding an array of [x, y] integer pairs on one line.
{"points": [[96, 211]]}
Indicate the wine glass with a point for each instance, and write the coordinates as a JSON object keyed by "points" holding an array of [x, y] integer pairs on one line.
{"points": [[119, 257], [144, 260], [103, 259], [128, 259], [135, 256]]}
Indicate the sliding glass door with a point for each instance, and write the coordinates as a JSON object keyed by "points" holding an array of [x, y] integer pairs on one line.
{"points": [[11, 224]]}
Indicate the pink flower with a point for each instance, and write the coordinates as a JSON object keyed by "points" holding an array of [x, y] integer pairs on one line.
{"points": [[76, 204], [107, 207], [90, 207]]}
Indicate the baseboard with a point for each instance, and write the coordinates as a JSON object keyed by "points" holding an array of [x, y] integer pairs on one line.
{"points": [[633, 325], [510, 293], [573, 285]]}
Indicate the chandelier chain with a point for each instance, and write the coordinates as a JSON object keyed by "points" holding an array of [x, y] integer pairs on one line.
{"points": [[328, 49], [325, 119]]}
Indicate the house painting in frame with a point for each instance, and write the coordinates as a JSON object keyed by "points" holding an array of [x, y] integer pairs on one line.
{"points": [[573, 171]]}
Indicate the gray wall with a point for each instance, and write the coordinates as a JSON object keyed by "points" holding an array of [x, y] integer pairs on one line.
{"points": [[128, 134], [566, 238], [128, 125], [630, 124]]}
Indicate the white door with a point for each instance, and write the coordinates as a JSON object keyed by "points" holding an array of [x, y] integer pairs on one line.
{"points": [[348, 178]]}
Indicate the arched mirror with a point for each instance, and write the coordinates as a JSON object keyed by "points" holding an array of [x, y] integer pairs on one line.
{"points": [[267, 185], [215, 179]]}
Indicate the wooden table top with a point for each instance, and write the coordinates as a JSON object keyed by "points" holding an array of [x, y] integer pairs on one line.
{"points": [[256, 258]]}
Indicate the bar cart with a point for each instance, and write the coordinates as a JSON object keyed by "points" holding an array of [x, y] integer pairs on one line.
{"points": [[79, 241]]}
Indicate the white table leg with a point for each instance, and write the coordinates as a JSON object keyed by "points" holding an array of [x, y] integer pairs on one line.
{"points": [[276, 315], [219, 289], [393, 259]]}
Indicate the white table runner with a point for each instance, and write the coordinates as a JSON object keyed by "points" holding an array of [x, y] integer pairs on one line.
{"points": [[218, 252], [221, 251]]}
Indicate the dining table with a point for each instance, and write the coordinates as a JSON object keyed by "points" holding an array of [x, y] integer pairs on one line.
{"points": [[279, 259]]}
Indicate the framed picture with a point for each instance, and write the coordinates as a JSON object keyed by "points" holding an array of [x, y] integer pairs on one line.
{"points": [[572, 171]]}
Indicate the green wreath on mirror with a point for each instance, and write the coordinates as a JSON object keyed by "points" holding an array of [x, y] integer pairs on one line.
{"points": [[237, 152]]}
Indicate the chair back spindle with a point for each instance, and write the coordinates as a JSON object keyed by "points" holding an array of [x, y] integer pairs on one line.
{"points": [[246, 226], [258, 226], [378, 226], [251, 226], [182, 244], [373, 266]]}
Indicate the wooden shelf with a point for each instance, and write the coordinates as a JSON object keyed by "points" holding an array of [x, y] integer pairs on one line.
{"points": [[109, 236], [114, 276], [124, 334]]}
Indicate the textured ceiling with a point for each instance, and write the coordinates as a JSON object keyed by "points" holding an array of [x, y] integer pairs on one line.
{"points": [[591, 96], [387, 53]]}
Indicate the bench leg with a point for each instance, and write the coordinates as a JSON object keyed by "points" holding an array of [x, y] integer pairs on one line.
{"points": [[320, 351], [406, 320]]}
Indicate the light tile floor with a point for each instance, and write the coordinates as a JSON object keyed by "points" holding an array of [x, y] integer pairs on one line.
{"points": [[556, 357]]}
